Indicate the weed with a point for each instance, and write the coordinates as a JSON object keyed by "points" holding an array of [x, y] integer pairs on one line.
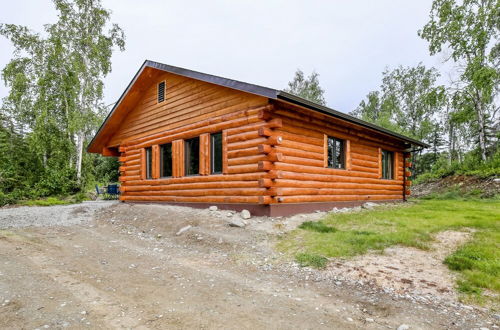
{"points": [[311, 260], [317, 226]]}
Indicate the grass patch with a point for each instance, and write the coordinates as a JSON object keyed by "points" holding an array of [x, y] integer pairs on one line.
{"points": [[413, 225], [49, 201], [311, 260], [53, 200], [317, 226]]}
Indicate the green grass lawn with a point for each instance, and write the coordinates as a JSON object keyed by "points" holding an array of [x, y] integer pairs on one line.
{"points": [[414, 224]]}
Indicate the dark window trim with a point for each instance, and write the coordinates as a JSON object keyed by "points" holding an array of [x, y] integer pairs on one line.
{"points": [[212, 158], [186, 163], [171, 160], [384, 161], [343, 142], [149, 163]]}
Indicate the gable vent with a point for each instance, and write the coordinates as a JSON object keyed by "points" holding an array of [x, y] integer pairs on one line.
{"points": [[161, 92]]}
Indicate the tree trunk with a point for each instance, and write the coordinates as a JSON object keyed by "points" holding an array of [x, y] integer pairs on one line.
{"points": [[482, 131], [79, 156]]}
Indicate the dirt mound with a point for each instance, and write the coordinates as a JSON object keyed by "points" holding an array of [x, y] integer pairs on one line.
{"points": [[460, 185]]}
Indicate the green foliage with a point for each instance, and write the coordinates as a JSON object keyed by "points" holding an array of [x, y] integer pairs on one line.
{"points": [[471, 165], [411, 225], [307, 88], [317, 226], [54, 105], [469, 31], [311, 260]]}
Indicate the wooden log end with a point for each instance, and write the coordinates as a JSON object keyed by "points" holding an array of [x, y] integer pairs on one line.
{"points": [[264, 148], [265, 200], [264, 131], [265, 165], [264, 115]]}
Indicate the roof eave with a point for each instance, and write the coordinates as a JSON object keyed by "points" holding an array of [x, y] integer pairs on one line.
{"points": [[281, 95]]}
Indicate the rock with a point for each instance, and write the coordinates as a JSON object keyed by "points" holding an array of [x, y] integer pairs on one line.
{"points": [[159, 236], [497, 180], [237, 223], [404, 327], [350, 319], [245, 214], [183, 229], [229, 214], [496, 316], [213, 208], [369, 205], [369, 320]]}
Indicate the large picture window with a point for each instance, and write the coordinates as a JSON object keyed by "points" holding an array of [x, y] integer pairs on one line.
{"points": [[387, 164], [166, 160], [192, 156], [149, 163], [336, 153], [216, 153]]}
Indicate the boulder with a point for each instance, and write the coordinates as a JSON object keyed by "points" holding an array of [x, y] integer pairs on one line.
{"points": [[213, 208], [236, 222], [245, 214]]}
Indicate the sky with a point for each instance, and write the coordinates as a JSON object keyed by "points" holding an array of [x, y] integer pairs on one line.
{"points": [[348, 42]]}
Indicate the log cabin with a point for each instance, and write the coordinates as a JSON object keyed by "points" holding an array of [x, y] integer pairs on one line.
{"points": [[194, 139]]}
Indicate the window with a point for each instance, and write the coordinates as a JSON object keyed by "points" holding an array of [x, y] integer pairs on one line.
{"points": [[387, 164], [166, 160], [216, 153], [161, 92], [336, 157], [192, 156], [149, 163]]}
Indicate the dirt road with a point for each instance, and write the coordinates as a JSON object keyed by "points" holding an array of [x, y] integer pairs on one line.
{"points": [[123, 266]]}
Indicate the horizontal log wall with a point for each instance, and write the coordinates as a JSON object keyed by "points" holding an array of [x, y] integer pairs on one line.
{"points": [[187, 101], [302, 174], [245, 138]]}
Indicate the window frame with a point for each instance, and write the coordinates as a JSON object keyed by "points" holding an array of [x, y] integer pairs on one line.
{"points": [[384, 162], [149, 163], [188, 153], [162, 146], [333, 150], [212, 153]]}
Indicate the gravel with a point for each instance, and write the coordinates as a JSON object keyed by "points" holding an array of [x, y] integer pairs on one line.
{"points": [[57, 215]]}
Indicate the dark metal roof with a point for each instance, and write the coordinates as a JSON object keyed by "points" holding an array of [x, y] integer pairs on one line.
{"points": [[257, 90]]}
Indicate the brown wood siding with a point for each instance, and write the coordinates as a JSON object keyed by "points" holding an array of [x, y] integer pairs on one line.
{"points": [[272, 152], [303, 176], [239, 185], [186, 101]]}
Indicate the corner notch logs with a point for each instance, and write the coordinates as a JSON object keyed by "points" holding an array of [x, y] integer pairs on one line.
{"points": [[268, 149]]}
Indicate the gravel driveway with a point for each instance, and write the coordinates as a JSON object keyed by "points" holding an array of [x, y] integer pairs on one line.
{"points": [[60, 215], [102, 265]]}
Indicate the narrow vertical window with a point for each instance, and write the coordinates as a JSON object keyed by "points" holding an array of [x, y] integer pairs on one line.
{"points": [[149, 163], [166, 160], [161, 92], [387, 164], [216, 153], [336, 154], [192, 156]]}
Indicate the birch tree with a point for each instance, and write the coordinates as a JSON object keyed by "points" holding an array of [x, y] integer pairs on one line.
{"points": [[469, 30], [56, 78]]}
